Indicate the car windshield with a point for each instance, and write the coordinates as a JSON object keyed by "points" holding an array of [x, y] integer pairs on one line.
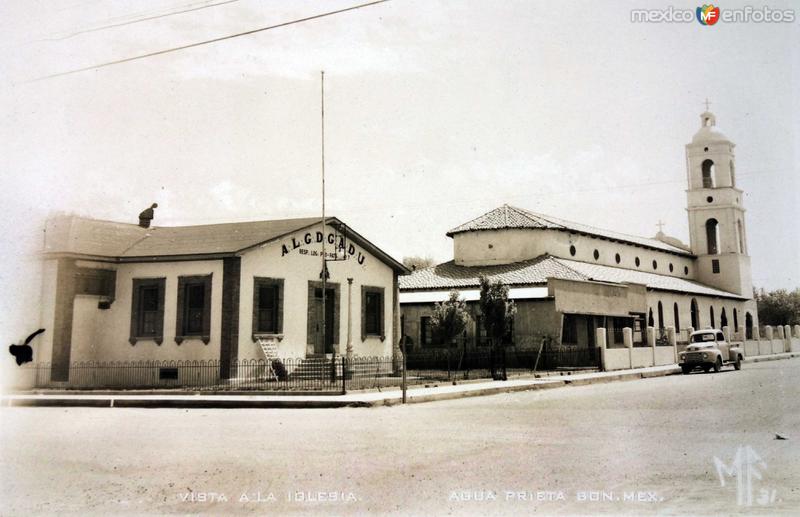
{"points": [[703, 338]]}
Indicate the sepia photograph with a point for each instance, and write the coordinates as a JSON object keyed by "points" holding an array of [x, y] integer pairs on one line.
{"points": [[399, 257]]}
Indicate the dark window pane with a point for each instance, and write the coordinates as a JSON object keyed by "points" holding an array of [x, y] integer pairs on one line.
{"points": [[268, 308], [373, 307], [195, 296], [267, 297], [149, 298]]}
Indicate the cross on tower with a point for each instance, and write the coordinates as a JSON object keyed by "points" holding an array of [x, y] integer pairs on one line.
{"points": [[707, 104], [660, 225]]}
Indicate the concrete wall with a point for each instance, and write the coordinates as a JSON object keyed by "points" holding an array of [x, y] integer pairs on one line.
{"points": [[664, 355], [513, 245]]}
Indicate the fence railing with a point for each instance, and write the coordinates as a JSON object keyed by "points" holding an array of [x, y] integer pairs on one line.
{"points": [[331, 375]]}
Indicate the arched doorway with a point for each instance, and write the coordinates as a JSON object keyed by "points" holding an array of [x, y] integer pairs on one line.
{"points": [[711, 316], [695, 315], [650, 322], [660, 316], [723, 319], [708, 174], [735, 320]]}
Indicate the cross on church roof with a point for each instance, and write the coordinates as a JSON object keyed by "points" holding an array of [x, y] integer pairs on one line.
{"points": [[660, 225], [707, 104]]}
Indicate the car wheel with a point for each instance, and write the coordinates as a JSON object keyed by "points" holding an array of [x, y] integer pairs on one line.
{"points": [[718, 364], [738, 364], [686, 369]]}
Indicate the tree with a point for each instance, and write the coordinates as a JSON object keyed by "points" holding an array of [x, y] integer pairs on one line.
{"points": [[779, 307], [450, 318], [498, 313], [414, 262]]}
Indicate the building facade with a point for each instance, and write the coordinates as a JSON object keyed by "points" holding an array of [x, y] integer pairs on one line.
{"points": [[568, 279], [126, 292]]}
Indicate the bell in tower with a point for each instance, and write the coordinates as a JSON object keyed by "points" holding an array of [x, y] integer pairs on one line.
{"points": [[716, 212]]}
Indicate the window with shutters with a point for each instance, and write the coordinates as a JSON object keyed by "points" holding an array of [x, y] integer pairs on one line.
{"points": [[147, 310], [194, 308], [267, 305], [372, 320]]}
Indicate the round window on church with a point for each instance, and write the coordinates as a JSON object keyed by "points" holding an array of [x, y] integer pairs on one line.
{"points": [[572, 250], [637, 261], [596, 254], [670, 267], [617, 258], [709, 199], [705, 149], [655, 265], [685, 270]]}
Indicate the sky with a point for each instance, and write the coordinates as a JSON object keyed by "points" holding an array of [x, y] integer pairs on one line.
{"points": [[436, 112]]}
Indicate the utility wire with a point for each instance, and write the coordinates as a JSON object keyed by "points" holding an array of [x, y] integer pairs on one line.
{"points": [[205, 42], [188, 9]]}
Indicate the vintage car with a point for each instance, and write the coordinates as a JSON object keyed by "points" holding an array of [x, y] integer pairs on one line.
{"points": [[708, 349]]}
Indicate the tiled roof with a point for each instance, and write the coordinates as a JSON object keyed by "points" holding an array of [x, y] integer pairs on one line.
{"points": [[450, 275], [536, 271], [506, 217], [112, 239], [129, 242], [652, 280]]}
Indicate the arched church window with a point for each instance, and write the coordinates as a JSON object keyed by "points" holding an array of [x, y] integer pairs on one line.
{"points": [[596, 254], [711, 316], [712, 236], [676, 317], [735, 319], [733, 175], [655, 265], [572, 250], [723, 319], [695, 315], [748, 325], [708, 174], [617, 258], [685, 270], [660, 316], [637, 261], [650, 322]]}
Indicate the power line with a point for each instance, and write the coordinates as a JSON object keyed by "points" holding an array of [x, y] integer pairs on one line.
{"points": [[187, 9], [205, 42]]}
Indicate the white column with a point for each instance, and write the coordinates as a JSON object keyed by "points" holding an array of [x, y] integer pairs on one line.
{"points": [[600, 339], [627, 339]]}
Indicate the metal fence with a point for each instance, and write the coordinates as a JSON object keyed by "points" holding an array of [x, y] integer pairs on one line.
{"points": [[318, 375]]}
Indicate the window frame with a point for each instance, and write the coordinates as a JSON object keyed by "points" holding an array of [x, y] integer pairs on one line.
{"points": [[138, 285], [277, 284], [366, 292], [181, 316]]}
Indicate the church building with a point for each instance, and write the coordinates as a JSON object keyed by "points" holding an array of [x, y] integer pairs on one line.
{"points": [[568, 279]]}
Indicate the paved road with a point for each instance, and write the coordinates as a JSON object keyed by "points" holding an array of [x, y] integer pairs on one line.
{"points": [[652, 440]]}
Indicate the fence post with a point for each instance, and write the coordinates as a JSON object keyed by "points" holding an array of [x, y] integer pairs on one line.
{"points": [[768, 333], [600, 339], [627, 340], [344, 374], [742, 333], [756, 333], [787, 338], [673, 342]]}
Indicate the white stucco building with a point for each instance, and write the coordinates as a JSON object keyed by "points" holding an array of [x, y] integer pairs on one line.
{"points": [[568, 279], [125, 292]]}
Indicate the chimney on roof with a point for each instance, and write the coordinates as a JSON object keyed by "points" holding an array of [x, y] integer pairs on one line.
{"points": [[146, 216]]}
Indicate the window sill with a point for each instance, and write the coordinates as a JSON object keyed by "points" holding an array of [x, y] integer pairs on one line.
{"points": [[135, 339], [181, 339], [266, 335], [382, 337]]}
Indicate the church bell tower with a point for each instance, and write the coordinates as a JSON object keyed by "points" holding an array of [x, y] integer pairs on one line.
{"points": [[716, 214]]}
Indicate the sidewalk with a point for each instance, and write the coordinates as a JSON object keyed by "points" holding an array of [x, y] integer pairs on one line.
{"points": [[362, 399]]}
